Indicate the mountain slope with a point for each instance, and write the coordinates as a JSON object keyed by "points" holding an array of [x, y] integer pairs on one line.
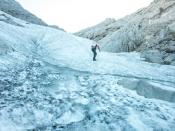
{"points": [[14, 9], [48, 81], [151, 28]]}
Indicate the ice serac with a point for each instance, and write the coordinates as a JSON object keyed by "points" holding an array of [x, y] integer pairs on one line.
{"points": [[150, 28], [150, 89]]}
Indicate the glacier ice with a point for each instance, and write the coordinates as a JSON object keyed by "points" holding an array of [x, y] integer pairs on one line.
{"points": [[48, 81]]}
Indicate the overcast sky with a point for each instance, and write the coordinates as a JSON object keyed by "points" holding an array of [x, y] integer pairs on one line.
{"points": [[74, 15]]}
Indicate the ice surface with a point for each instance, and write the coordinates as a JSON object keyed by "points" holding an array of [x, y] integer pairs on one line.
{"points": [[48, 81], [134, 120]]}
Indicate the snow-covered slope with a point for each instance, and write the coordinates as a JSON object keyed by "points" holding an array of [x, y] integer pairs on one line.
{"points": [[48, 81], [13, 8], [151, 28]]}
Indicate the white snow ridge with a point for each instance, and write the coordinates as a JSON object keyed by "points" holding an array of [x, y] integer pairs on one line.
{"points": [[48, 82]]}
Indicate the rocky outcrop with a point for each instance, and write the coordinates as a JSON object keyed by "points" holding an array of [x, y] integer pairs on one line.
{"points": [[150, 28]]}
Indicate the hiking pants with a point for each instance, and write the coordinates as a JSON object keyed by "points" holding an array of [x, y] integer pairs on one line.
{"points": [[95, 54]]}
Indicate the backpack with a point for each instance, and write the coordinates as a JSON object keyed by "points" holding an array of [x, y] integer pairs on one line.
{"points": [[93, 48]]}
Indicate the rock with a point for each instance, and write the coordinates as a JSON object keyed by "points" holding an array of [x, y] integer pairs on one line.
{"points": [[168, 60], [170, 49], [173, 63], [153, 56], [149, 89]]}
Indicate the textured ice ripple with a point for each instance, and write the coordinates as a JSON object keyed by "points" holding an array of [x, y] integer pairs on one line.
{"points": [[42, 97]]}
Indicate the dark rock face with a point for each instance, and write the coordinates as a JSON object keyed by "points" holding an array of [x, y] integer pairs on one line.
{"points": [[170, 59], [14, 9]]}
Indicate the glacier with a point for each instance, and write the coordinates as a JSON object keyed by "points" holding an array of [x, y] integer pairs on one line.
{"points": [[48, 81]]}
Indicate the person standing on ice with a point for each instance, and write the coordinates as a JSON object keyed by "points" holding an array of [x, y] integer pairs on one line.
{"points": [[94, 48]]}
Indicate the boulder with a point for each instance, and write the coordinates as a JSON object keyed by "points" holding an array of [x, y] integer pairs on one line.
{"points": [[170, 48], [153, 56], [173, 63], [169, 59]]}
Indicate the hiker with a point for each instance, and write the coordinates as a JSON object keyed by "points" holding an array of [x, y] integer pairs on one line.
{"points": [[94, 48]]}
